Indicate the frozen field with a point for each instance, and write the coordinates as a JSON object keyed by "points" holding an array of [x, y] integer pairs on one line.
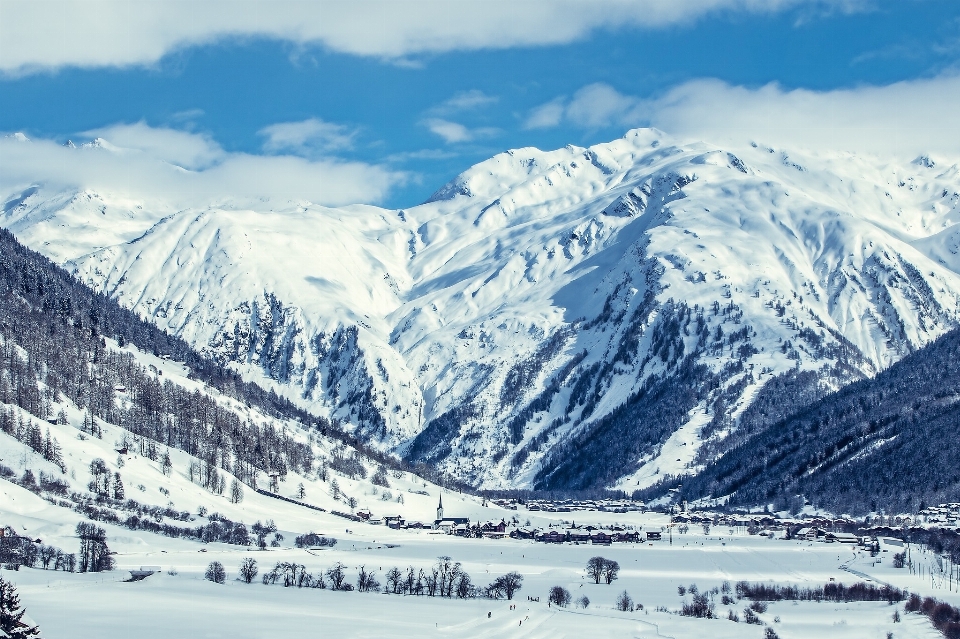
{"points": [[103, 606]]}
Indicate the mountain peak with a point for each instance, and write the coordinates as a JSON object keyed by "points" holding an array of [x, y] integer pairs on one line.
{"points": [[545, 299]]}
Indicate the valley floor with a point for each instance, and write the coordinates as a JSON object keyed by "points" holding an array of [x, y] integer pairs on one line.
{"points": [[79, 606]]}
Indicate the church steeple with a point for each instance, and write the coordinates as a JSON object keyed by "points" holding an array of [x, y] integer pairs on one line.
{"points": [[440, 508]]}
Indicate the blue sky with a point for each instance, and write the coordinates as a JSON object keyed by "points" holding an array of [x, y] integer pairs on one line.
{"points": [[418, 100]]}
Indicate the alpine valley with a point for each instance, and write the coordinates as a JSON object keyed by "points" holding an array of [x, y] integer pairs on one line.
{"points": [[600, 317]]}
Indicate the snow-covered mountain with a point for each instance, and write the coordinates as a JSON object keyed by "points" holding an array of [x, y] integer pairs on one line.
{"points": [[578, 317]]}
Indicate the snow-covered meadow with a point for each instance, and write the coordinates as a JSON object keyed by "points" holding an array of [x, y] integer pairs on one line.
{"points": [[103, 605], [178, 600]]}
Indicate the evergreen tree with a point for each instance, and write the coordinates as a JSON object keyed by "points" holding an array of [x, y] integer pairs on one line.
{"points": [[166, 465], [117, 487], [11, 613]]}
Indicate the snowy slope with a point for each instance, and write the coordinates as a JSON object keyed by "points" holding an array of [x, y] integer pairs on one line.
{"points": [[538, 292], [407, 495]]}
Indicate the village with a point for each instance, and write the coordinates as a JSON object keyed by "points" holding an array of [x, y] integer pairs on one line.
{"points": [[808, 527]]}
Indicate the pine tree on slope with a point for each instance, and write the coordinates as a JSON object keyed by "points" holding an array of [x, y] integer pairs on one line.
{"points": [[11, 613]]}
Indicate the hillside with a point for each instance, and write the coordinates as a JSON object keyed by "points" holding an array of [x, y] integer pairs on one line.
{"points": [[887, 443], [577, 318], [82, 378]]}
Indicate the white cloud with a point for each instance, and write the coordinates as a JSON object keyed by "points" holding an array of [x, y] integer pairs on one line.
{"points": [[592, 107], [189, 150], [146, 163], [454, 132], [451, 132], [43, 34], [422, 154], [465, 100], [309, 136], [546, 115], [600, 105], [904, 118]]}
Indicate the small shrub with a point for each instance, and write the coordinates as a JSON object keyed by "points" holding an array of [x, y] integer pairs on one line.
{"points": [[750, 616]]}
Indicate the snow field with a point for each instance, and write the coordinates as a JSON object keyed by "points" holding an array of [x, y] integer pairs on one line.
{"points": [[101, 605]]}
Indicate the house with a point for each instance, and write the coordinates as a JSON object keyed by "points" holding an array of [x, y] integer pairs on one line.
{"points": [[494, 527], [448, 524], [809, 534], [393, 521], [654, 535], [601, 538], [523, 533], [580, 535], [840, 537], [553, 537], [626, 536], [364, 514]]}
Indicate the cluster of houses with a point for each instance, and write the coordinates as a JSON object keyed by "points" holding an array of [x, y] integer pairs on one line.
{"points": [[585, 535], [823, 529], [462, 527], [573, 505], [944, 514], [812, 533]]}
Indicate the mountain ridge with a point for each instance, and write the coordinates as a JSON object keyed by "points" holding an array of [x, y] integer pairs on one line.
{"points": [[539, 295]]}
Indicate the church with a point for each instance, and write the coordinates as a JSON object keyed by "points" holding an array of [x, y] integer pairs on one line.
{"points": [[448, 524]]}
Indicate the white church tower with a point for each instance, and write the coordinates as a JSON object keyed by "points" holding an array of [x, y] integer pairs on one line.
{"points": [[440, 508]]}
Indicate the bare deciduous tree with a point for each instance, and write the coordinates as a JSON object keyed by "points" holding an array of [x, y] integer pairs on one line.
{"points": [[248, 569]]}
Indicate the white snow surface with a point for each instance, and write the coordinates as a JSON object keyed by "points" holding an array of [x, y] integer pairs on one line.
{"points": [[388, 319], [178, 601]]}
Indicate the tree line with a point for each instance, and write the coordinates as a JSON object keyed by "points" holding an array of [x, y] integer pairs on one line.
{"points": [[445, 579]]}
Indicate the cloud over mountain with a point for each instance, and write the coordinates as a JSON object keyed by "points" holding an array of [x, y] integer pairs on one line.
{"points": [[45, 35]]}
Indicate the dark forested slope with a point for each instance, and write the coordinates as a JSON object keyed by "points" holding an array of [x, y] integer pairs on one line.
{"points": [[52, 346], [890, 443]]}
